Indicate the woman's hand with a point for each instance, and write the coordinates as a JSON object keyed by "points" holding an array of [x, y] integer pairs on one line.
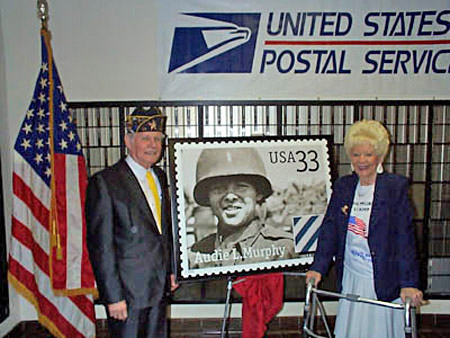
{"points": [[414, 294], [313, 274]]}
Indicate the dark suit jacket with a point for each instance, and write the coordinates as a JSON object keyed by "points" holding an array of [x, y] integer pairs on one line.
{"points": [[130, 258], [391, 234]]}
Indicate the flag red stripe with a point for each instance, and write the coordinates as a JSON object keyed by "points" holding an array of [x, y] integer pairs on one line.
{"points": [[84, 304], [357, 232], [24, 193], [22, 233], [46, 307], [357, 227], [59, 265], [87, 275], [24, 236]]}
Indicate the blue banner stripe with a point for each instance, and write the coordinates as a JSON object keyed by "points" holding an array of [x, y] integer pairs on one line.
{"points": [[305, 228]]}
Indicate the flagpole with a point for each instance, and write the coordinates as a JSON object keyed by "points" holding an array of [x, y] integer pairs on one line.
{"points": [[42, 13]]}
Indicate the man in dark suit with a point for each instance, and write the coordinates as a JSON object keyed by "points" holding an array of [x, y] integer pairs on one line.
{"points": [[129, 233]]}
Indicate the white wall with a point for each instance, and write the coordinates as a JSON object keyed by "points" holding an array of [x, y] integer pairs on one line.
{"points": [[104, 50], [13, 318]]}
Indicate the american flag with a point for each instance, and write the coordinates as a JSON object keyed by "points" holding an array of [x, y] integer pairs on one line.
{"points": [[357, 226], [48, 259]]}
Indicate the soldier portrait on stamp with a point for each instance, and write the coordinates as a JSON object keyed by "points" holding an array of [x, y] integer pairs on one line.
{"points": [[246, 205]]}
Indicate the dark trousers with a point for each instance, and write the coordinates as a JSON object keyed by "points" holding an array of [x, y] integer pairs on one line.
{"points": [[148, 322]]}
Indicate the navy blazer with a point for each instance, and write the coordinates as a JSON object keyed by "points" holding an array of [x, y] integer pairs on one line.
{"points": [[130, 258], [391, 234]]}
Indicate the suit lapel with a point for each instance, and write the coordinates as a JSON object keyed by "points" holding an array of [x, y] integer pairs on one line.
{"points": [[138, 201]]}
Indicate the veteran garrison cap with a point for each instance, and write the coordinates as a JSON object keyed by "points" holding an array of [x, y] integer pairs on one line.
{"points": [[142, 120]]}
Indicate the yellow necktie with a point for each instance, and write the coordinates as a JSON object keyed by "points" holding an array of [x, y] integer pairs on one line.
{"points": [[154, 190]]}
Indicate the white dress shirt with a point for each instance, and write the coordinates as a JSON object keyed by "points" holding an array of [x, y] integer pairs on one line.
{"points": [[140, 173]]}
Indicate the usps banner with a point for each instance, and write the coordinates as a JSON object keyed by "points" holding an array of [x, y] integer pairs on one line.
{"points": [[304, 49]]}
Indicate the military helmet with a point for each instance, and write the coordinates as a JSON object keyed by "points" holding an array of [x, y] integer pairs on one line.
{"points": [[220, 163]]}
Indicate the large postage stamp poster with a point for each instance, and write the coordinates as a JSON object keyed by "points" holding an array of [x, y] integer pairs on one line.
{"points": [[244, 205]]}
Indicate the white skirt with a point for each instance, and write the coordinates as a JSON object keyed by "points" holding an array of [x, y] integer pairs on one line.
{"points": [[361, 320]]}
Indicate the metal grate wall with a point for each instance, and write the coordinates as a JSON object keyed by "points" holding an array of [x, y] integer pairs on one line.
{"points": [[420, 134]]}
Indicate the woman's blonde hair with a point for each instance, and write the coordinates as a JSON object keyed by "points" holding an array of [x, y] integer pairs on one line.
{"points": [[368, 132]]}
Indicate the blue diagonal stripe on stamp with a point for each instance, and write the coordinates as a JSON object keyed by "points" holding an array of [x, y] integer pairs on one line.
{"points": [[306, 231]]}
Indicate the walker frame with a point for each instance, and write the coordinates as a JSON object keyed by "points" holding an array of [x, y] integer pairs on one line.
{"points": [[312, 303]]}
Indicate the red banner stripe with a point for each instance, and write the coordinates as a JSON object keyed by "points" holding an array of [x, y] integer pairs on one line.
{"points": [[355, 42]]}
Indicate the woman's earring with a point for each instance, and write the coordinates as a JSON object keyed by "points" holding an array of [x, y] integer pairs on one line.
{"points": [[380, 169]]}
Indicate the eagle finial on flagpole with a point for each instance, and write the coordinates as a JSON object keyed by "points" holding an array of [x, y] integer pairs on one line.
{"points": [[42, 12]]}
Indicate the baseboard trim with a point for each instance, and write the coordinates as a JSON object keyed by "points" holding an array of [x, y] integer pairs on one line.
{"points": [[190, 327]]}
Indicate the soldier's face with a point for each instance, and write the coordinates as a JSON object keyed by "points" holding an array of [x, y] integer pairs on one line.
{"points": [[233, 202], [145, 147]]}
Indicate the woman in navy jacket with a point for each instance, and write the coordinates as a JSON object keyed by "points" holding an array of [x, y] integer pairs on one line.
{"points": [[368, 230]]}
